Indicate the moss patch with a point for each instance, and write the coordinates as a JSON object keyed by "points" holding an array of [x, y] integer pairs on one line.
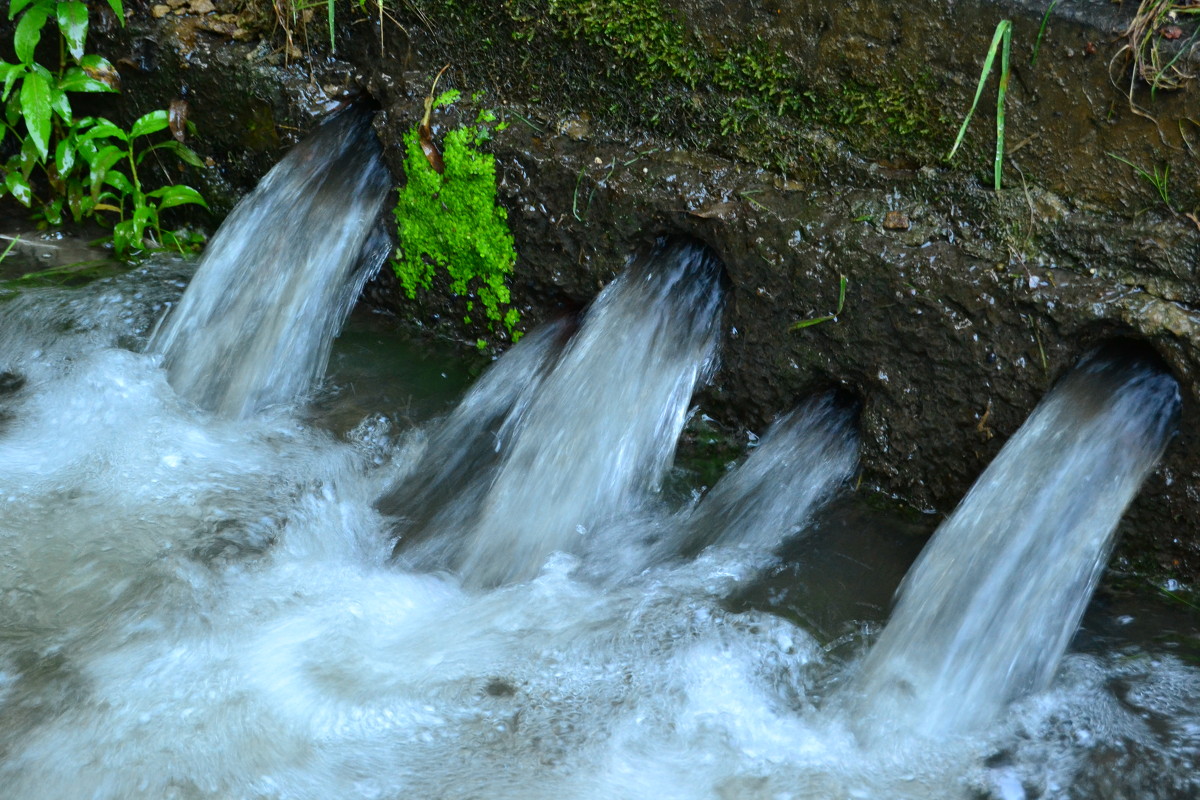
{"points": [[452, 222], [636, 65]]}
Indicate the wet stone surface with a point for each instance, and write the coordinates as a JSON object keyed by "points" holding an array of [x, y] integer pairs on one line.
{"points": [[962, 305]]}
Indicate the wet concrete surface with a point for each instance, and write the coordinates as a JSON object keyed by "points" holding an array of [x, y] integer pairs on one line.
{"points": [[963, 305]]}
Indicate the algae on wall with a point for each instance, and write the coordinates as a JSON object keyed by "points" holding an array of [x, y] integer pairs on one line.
{"points": [[643, 65]]}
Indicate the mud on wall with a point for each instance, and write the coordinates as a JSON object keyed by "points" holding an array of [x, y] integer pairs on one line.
{"points": [[802, 140]]}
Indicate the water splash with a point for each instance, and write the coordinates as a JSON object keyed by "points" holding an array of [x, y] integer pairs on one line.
{"points": [[799, 463], [443, 490], [595, 438], [193, 606], [988, 610], [275, 285]]}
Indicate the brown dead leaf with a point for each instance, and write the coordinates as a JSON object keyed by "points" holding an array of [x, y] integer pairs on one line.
{"points": [[425, 130], [103, 73], [982, 428]]}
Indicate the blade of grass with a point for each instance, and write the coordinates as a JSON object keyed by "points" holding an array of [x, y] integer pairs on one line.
{"points": [[807, 323], [1002, 43], [987, 68], [1157, 179], [1037, 45], [11, 244], [1001, 92], [329, 9]]}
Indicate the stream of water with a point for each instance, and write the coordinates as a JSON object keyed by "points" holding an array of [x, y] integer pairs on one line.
{"points": [[382, 587]]}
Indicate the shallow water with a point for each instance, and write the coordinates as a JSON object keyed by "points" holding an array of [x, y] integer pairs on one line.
{"points": [[205, 607]]}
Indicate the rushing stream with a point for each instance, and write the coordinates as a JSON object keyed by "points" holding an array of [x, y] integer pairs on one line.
{"points": [[266, 590]]}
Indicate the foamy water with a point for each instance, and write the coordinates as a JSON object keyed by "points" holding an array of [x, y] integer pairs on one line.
{"points": [[196, 607]]}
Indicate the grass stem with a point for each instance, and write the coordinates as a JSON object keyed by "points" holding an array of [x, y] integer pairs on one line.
{"points": [[1002, 43]]}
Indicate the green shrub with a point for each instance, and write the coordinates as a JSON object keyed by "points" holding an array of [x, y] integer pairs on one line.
{"points": [[86, 166]]}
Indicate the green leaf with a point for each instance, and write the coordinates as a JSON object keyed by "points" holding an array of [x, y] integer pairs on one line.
{"points": [[101, 163], [143, 217], [118, 181], [118, 9], [185, 153], [16, 7], [177, 196], [28, 157], [64, 156], [35, 108], [60, 104], [11, 77], [102, 128], [86, 150], [73, 24], [76, 80], [123, 237], [18, 187], [150, 123], [52, 211], [75, 200], [29, 33]]}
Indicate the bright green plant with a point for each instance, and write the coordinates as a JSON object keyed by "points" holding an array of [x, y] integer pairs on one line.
{"points": [[1002, 42], [113, 191], [450, 221], [88, 165]]}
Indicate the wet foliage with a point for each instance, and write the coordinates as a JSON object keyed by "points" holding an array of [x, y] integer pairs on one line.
{"points": [[87, 167], [448, 219]]}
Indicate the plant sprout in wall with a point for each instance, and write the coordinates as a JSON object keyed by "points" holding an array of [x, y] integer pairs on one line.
{"points": [[1002, 42], [841, 304]]}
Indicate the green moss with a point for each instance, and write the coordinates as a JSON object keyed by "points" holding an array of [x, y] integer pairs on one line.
{"points": [[641, 33], [636, 64], [452, 222], [894, 115]]}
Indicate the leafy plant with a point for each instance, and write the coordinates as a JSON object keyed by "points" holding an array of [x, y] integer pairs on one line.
{"points": [[114, 191], [82, 162], [449, 220], [1002, 42]]}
